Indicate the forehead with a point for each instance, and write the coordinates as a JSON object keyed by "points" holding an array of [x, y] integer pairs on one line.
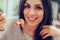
{"points": [[34, 2]]}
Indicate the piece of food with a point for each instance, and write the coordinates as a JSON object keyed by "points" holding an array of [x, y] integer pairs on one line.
{"points": [[21, 21]]}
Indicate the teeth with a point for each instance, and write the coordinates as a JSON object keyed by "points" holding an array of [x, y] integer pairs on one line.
{"points": [[32, 18]]}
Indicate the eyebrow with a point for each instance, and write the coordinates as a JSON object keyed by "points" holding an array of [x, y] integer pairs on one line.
{"points": [[38, 5], [35, 5]]}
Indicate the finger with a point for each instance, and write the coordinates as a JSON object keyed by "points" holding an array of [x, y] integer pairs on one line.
{"points": [[46, 32], [3, 20], [46, 26], [0, 14], [42, 31], [2, 28], [46, 36]]}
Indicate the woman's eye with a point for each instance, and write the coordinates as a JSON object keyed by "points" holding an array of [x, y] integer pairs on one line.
{"points": [[27, 6], [38, 8]]}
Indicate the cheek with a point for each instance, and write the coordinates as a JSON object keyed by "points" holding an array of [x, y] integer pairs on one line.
{"points": [[40, 14], [25, 12]]}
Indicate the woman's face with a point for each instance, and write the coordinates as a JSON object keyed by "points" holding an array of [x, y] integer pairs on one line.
{"points": [[33, 12]]}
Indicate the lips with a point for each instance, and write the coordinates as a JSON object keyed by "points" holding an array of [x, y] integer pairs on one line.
{"points": [[32, 18]]}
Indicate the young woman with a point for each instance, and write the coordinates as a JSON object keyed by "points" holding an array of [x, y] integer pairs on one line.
{"points": [[37, 15]]}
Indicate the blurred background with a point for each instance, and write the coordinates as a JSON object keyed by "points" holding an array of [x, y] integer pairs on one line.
{"points": [[10, 9]]}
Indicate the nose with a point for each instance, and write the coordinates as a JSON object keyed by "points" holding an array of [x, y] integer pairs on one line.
{"points": [[32, 12]]}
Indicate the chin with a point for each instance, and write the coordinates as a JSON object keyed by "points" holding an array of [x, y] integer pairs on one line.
{"points": [[32, 25]]}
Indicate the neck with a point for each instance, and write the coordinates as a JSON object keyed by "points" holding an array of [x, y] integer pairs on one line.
{"points": [[29, 30]]}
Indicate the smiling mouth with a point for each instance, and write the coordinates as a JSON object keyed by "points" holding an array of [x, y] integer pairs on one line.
{"points": [[32, 18]]}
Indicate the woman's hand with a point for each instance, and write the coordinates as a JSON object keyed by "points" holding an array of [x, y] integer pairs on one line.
{"points": [[3, 21], [49, 31]]}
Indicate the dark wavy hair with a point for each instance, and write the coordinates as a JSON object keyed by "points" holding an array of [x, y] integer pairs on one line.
{"points": [[47, 20]]}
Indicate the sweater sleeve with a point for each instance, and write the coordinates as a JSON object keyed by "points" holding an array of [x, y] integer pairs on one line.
{"points": [[13, 32]]}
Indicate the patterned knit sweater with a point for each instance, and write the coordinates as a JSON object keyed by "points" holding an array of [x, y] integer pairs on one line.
{"points": [[14, 33]]}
